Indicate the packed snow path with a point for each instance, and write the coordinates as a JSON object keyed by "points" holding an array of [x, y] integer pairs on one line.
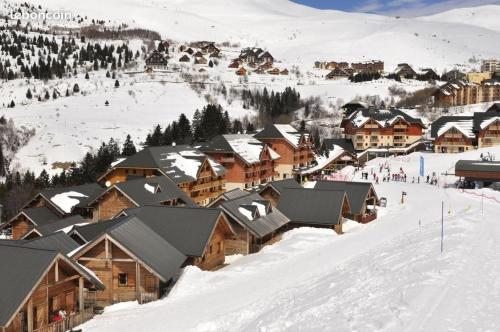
{"points": [[388, 275]]}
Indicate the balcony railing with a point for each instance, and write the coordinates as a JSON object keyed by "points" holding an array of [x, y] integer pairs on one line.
{"points": [[71, 321]]}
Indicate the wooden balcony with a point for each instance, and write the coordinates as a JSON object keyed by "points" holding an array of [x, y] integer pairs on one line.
{"points": [[207, 185], [227, 160], [71, 321]]}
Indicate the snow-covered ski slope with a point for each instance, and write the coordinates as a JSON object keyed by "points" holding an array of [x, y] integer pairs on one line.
{"points": [[295, 33], [388, 275]]}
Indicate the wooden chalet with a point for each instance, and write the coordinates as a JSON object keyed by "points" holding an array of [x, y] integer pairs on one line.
{"points": [[338, 73], [65, 201], [363, 199], [38, 282], [200, 177], [185, 58], [274, 71], [132, 261], [156, 60], [404, 70], [28, 219], [55, 226], [335, 154], [295, 148], [200, 61], [371, 66], [453, 134], [235, 64], [189, 51], [248, 162], [284, 72], [495, 107], [272, 190], [198, 54], [486, 125], [371, 128], [266, 66], [255, 221], [314, 208], [199, 233], [453, 75], [155, 190], [427, 74], [242, 72], [210, 48]]}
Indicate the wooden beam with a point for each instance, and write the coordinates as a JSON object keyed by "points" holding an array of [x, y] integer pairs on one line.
{"points": [[56, 268], [30, 315], [81, 303], [106, 248], [138, 282], [64, 280], [104, 259]]}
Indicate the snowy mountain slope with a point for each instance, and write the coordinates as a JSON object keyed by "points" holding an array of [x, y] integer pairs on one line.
{"points": [[301, 34], [388, 275], [485, 17]]}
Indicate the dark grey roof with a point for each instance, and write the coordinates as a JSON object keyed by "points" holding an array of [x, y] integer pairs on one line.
{"points": [[346, 144], [164, 189], [26, 265], [479, 117], [282, 184], [437, 124], [93, 230], [262, 224], [477, 166], [164, 158], [385, 116], [90, 191], [235, 193], [356, 192], [148, 247], [59, 241], [18, 277], [494, 108], [312, 206], [188, 229], [59, 224], [40, 215]]}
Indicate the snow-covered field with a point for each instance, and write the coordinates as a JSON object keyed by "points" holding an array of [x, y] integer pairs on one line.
{"points": [[389, 275]]}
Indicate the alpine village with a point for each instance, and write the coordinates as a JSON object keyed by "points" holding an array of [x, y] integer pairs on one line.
{"points": [[130, 220]]}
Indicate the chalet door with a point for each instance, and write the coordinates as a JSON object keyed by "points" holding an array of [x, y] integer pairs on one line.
{"points": [[150, 284]]}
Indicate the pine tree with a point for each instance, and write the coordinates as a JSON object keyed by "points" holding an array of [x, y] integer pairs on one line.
{"points": [[184, 134], [28, 94], [43, 180], [47, 95], [2, 161], [128, 147], [302, 126], [117, 84], [250, 127], [76, 88], [54, 94], [12, 104], [87, 76]]}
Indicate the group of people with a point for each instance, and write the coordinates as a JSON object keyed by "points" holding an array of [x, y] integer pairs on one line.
{"points": [[400, 176]]}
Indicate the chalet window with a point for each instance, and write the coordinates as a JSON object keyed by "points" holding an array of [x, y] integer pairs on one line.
{"points": [[122, 279], [211, 249], [220, 248]]}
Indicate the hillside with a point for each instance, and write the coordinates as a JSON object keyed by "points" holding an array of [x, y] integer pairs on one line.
{"points": [[388, 275]]}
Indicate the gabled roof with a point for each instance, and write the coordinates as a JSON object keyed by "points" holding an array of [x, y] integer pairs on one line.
{"points": [[482, 120], [462, 123], [285, 131], [151, 190], [384, 118], [59, 241], [25, 268], [279, 185], [188, 229], [57, 225], [39, 216], [261, 220], [181, 163], [65, 199], [147, 246], [91, 231], [312, 206], [245, 146], [345, 144], [494, 108], [357, 192]]}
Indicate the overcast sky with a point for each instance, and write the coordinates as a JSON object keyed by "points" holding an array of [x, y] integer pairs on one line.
{"points": [[396, 7]]}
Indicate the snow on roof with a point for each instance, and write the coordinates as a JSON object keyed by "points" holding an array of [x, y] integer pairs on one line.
{"points": [[464, 126], [66, 201], [218, 168], [289, 133], [149, 188], [323, 161], [189, 166], [274, 155], [117, 161], [359, 119], [246, 147], [247, 213], [261, 207], [488, 122]]}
